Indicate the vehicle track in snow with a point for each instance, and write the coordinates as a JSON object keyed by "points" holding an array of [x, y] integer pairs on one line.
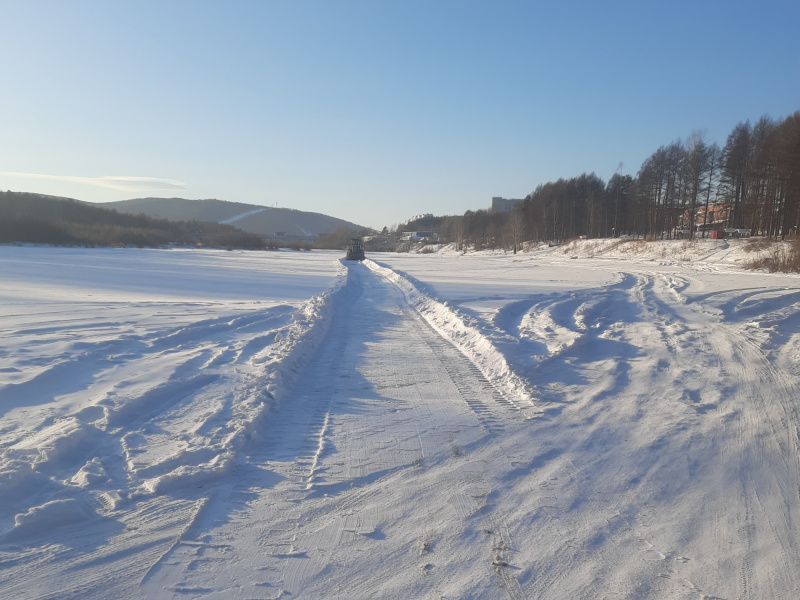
{"points": [[753, 404], [738, 431], [364, 483]]}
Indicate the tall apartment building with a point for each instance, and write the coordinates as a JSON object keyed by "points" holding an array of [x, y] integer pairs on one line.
{"points": [[503, 204]]}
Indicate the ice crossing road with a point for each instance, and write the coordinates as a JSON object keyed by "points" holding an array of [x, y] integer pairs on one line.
{"points": [[366, 484]]}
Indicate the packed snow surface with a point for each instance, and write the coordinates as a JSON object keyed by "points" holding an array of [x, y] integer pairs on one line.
{"points": [[604, 419]]}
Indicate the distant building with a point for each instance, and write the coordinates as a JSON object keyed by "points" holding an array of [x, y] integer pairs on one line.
{"points": [[719, 216], [503, 204], [419, 236], [717, 221]]}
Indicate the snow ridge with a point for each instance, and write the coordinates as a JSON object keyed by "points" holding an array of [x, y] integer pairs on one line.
{"points": [[274, 372], [453, 326], [295, 346], [256, 389]]}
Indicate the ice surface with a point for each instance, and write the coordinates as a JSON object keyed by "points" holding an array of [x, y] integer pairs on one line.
{"points": [[608, 418]]}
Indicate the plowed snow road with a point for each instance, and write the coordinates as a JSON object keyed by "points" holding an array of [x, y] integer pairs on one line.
{"points": [[371, 481]]}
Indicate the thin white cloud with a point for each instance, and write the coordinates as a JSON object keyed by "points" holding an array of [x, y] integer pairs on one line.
{"points": [[120, 183]]}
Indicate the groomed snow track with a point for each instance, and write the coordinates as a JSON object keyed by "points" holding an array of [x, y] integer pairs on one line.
{"points": [[364, 485]]}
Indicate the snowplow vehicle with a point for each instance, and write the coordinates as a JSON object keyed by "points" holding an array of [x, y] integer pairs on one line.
{"points": [[355, 250]]}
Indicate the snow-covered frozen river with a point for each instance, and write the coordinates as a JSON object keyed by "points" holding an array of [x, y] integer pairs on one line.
{"points": [[556, 424]]}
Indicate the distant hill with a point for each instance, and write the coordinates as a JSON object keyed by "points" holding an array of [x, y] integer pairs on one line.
{"points": [[40, 219], [262, 220]]}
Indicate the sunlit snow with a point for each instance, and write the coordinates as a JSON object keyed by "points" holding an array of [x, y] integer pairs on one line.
{"points": [[587, 421]]}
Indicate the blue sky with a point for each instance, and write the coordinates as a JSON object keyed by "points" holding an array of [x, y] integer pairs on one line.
{"points": [[373, 111]]}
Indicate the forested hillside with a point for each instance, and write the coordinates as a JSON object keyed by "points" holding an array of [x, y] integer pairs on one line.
{"points": [[34, 218], [686, 188], [268, 221], [179, 209]]}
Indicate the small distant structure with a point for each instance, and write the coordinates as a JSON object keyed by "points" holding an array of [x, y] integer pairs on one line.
{"points": [[714, 221], [419, 236], [731, 232], [503, 204]]}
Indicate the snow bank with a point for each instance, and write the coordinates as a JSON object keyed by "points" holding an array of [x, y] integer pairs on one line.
{"points": [[256, 389], [18, 475], [737, 253], [700, 252], [622, 248], [462, 332], [46, 517], [283, 361]]}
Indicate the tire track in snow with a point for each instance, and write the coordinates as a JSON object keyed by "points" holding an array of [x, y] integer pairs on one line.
{"points": [[377, 425], [683, 346], [765, 450], [766, 425], [465, 377]]}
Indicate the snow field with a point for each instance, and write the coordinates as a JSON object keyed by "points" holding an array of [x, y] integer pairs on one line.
{"points": [[107, 403], [559, 423], [669, 439]]}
